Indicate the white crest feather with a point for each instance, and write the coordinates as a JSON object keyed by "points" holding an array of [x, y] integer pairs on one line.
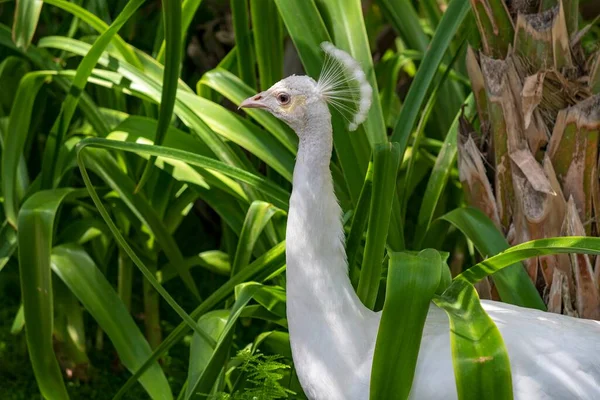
{"points": [[344, 85]]}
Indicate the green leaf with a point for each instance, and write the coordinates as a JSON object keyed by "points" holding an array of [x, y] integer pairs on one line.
{"points": [[258, 216], [386, 160], [438, 179], [8, 243], [35, 229], [84, 71], [98, 25], [268, 41], [243, 41], [452, 19], [172, 22], [261, 268], [213, 323], [481, 364], [18, 126], [513, 283], [278, 196], [205, 382], [188, 11], [533, 248], [27, 14], [411, 284], [78, 271]]}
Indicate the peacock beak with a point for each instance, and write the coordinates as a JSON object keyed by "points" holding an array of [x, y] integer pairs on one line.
{"points": [[255, 101]]}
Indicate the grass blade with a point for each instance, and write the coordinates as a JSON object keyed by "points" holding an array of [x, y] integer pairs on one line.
{"points": [[411, 284], [78, 271]]}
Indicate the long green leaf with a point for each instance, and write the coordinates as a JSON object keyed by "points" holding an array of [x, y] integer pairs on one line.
{"points": [[188, 10], [533, 248], [275, 193], [481, 364], [18, 126], [172, 22], [243, 41], [258, 216], [411, 284], [79, 272], [386, 160], [268, 41], [35, 230], [439, 177], [27, 14], [452, 19], [513, 283]]}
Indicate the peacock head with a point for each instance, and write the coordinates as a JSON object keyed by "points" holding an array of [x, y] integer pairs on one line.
{"points": [[293, 100], [296, 99]]}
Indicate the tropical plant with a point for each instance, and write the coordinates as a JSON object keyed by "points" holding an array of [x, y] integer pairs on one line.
{"points": [[532, 163], [181, 243]]}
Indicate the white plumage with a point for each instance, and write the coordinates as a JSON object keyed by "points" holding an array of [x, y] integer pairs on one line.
{"points": [[333, 335]]}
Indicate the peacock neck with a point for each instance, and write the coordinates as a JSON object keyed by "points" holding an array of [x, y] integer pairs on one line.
{"points": [[317, 272]]}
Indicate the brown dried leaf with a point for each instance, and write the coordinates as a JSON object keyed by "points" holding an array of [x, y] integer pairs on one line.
{"points": [[532, 171], [587, 297], [532, 95]]}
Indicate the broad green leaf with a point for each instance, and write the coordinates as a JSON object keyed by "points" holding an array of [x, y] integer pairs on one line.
{"points": [[411, 284], [386, 160], [513, 283], [35, 230], [261, 268], [481, 364], [213, 323], [213, 260], [204, 383], [79, 272], [27, 14]]}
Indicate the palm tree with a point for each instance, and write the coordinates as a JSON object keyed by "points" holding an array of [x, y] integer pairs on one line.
{"points": [[532, 164]]}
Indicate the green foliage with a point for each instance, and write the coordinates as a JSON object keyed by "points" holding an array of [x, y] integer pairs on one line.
{"points": [[146, 221]]}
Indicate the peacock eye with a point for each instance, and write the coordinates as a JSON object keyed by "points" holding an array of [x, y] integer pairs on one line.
{"points": [[283, 98]]}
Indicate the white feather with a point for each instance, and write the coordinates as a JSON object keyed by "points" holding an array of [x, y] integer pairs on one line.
{"points": [[339, 71]]}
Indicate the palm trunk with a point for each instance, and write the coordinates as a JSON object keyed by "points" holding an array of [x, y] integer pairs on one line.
{"points": [[533, 166]]}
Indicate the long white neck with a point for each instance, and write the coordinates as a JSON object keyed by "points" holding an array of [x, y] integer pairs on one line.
{"points": [[331, 331]]}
